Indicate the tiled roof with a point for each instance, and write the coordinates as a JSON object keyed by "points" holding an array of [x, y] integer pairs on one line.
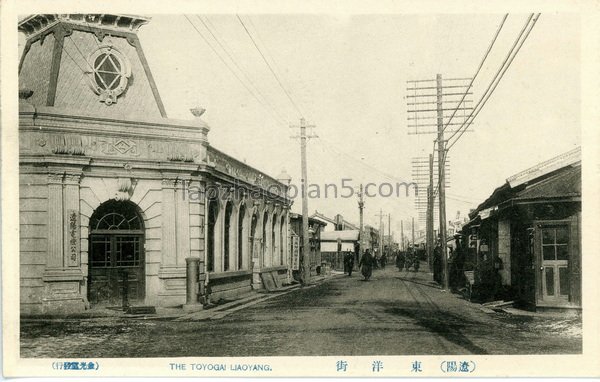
{"points": [[564, 184]]}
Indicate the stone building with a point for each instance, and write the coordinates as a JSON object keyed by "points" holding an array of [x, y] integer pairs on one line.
{"points": [[112, 190]]}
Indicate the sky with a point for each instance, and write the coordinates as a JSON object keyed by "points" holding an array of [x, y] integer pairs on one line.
{"points": [[347, 74]]}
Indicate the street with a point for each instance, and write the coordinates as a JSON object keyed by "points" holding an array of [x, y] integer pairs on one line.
{"points": [[395, 313]]}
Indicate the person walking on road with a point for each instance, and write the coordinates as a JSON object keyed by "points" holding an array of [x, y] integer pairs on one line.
{"points": [[400, 260], [349, 262], [366, 264], [437, 264]]}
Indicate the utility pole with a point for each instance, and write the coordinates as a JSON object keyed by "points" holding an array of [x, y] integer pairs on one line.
{"points": [[381, 233], [402, 234], [425, 101], [304, 185], [442, 184], [430, 207], [389, 232], [361, 206], [413, 233]]}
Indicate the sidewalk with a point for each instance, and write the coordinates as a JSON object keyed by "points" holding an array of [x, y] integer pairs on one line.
{"points": [[210, 312]]}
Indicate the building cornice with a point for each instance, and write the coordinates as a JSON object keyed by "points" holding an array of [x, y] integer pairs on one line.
{"points": [[39, 23]]}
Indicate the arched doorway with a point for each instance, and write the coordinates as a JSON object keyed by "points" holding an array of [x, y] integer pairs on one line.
{"points": [[116, 253], [265, 248], [282, 241], [253, 224], [240, 236], [213, 214], [227, 237]]}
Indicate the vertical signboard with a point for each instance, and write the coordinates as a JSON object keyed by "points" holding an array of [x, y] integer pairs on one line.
{"points": [[295, 253], [73, 238]]}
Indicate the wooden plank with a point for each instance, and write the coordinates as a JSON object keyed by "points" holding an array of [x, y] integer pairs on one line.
{"points": [[267, 280], [276, 279]]}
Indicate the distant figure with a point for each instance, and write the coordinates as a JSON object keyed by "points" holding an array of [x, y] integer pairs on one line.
{"points": [[366, 264], [400, 261], [349, 262], [383, 260], [437, 264]]}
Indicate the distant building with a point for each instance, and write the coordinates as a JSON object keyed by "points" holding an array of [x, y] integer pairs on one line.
{"points": [[529, 231], [315, 229], [114, 194], [338, 223], [335, 244]]}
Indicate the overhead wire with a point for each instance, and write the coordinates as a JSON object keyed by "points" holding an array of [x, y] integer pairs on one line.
{"points": [[270, 67], [478, 70], [472, 117], [226, 49], [229, 67], [494, 83], [496, 75]]}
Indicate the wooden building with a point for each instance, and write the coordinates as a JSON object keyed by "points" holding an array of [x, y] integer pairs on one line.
{"points": [[529, 231]]}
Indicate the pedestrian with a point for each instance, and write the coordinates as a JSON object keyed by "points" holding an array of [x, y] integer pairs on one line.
{"points": [[437, 264], [383, 260], [366, 264], [348, 263], [400, 260]]}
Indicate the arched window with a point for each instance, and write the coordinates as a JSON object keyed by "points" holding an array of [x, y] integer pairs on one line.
{"points": [[253, 225], [114, 215], [213, 213], [227, 236], [264, 236], [240, 233], [282, 241], [273, 239]]}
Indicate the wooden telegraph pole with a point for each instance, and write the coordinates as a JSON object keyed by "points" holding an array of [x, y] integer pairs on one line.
{"points": [[304, 185], [361, 206], [381, 233], [426, 103], [402, 234], [413, 233], [389, 232], [442, 182], [430, 206]]}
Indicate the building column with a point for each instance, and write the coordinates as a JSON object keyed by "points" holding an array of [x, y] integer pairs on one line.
{"points": [[169, 223], [63, 278], [277, 244], [233, 237], [267, 236], [255, 261], [71, 254], [55, 220], [246, 260], [171, 273], [182, 227]]}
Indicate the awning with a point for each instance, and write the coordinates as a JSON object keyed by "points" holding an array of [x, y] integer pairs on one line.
{"points": [[486, 213], [346, 235], [330, 246]]}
